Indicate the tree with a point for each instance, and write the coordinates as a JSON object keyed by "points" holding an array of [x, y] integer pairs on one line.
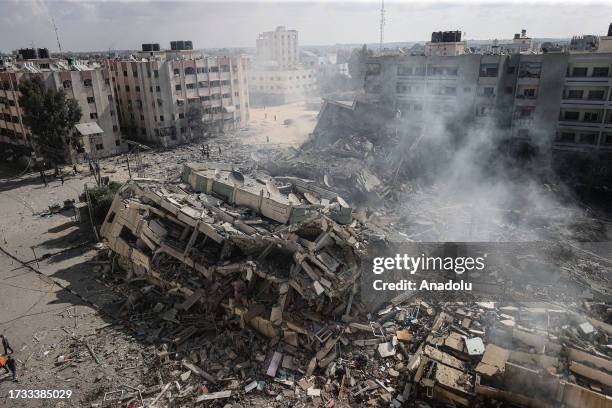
{"points": [[194, 116], [51, 118], [357, 65]]}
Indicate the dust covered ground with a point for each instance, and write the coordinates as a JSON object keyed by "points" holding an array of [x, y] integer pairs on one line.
{"points": [[59, 308]]}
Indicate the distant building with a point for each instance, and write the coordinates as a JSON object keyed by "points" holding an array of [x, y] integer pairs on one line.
{"points": [[87, 83], [276, 76], [584, 43], [280, 46], [156, 87], [277, 87]]}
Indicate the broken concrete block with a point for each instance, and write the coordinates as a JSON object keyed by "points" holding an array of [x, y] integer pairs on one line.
{"points": [[386, 349]]}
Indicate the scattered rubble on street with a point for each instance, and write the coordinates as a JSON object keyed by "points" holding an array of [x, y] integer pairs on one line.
{"points": [[246, 289]]}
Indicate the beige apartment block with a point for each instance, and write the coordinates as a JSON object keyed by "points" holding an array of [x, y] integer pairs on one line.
{"points": [[156, 88], [87, 83], [280, 45]]}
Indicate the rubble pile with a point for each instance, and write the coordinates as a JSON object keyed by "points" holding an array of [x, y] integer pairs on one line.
{"points": [[249, 288]]}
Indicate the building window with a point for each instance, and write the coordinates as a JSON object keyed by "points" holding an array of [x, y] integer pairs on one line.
{"points": [[591, 117], [156, 73], [106, 81], [67, 84], [135, 74], [488, 91], [115, 128], [141, 117], [93, 115], [566, 137], [596, 95], [117, 142], [99, 146], [600, 72], [127, 88], [177, 71], [110, 98], [570, 115], [488, 70], [575, 94], [372, 69], [137, 88], [161, 118], [177, 87], [87, 83], [181, 116], [579, 72], [530, 70], [190, 86], [90, 99], [124, 73], [158, 89], [587, 138], [189, 71], [529, 93]]}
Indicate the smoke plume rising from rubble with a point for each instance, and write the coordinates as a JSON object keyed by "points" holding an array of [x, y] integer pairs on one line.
{"points": [[475, 193]]}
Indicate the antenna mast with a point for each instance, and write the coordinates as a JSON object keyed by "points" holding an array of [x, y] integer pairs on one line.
{"points": [[382, 25], [56, 35]]}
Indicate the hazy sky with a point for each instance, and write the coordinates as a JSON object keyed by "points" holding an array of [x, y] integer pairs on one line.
{"points": [[101, 25]]}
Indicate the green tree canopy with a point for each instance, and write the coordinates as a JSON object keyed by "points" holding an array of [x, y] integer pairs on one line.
{"points": [[50, 116]]}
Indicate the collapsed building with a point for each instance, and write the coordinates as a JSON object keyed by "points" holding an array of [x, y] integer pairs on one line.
{"points": [[285, 236], [221, 250]]}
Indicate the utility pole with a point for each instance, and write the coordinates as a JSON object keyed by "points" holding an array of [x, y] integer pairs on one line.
{"points": [[382, 26], [56, 35]]}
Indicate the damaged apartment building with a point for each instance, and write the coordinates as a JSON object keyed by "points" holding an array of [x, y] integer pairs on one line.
{"points": [[155, 89], [559, 103], [284, 234], [88, 83]]}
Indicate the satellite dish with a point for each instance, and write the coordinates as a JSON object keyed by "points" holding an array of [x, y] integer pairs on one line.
{"points": [[327, 179], [312, 199], [236, 177], [293, 199], [342, 203], [272, 189]]}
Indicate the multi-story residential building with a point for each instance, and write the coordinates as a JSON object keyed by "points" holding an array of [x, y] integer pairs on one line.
{"points": [[155, 89], [558, 102], [276, 75], [87, 83], [280, 46], [275, 87], [417, 87]]}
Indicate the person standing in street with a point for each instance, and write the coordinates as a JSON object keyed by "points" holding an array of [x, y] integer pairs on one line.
{"points": [[11, 367], [6, 345]]}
